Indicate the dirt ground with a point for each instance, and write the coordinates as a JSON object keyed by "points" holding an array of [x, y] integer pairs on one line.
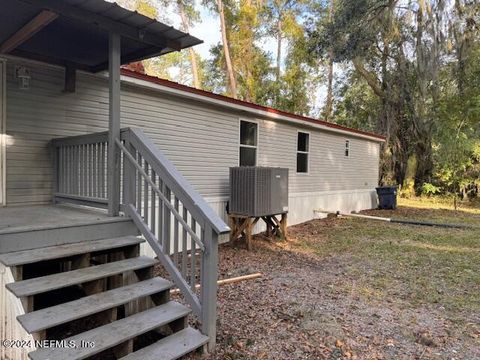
{"points": [[354, 289]]}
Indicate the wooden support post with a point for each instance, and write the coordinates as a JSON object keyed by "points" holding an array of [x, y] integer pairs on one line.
{"points": [[94, 287], [179, 324], [40, 336], [17, 272], [208, 292], [232, 224], [116, 281], [166, 220], [130, 175], [283, 226], [131, 252], [144, 274], [80, 261], [114, 125], [28, 303], [123, 349], [107, 316], [70, 78], [55, 169], [248, 233], [269, 230], [243, 226], [140, 304], [160, 298]]}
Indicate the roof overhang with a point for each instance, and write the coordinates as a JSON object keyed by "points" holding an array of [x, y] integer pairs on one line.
{"points": [[75, 33]]}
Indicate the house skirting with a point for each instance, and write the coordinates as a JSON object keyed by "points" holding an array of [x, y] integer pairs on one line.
{"points": [[302, 207]]}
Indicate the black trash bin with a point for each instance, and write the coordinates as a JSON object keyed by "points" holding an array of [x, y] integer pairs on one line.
{"points": [[387, 197]]}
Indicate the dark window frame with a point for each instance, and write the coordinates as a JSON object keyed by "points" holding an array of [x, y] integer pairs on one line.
{"points": [[246, 146], [303, 153], [347, 148]]}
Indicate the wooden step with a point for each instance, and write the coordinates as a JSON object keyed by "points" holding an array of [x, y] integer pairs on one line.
{"points": [[115, 333], [57, 281], [39, 237], [73, 310], [171, 347], [66, 250]]}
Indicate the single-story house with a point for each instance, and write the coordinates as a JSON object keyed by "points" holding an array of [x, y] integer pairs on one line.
{"points": [[330, 166], [155, 155]]}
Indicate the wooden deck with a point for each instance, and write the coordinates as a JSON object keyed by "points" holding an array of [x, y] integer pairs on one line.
{"points": [[28, 218], [31, 227]]}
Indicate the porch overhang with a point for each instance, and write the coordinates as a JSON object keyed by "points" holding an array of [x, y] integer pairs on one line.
{"points": [[75, 33]]}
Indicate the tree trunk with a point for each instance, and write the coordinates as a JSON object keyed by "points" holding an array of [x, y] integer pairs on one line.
{"points": [[279, 47], [226, 51], [425, 163], [193, 57], [426, 64], [329, 102]]}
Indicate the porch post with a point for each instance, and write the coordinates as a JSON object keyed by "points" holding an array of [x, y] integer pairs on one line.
{"points": [[208, 290], [114, 124]]}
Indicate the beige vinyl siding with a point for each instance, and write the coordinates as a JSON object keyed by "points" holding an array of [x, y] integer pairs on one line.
{"points": [[329, 168], [2, 137], [201, 140]]}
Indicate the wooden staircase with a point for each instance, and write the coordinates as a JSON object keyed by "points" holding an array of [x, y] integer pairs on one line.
{"points": [[102, 299]]}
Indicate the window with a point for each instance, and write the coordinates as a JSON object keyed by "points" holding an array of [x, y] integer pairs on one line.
{"points": [[248, 143], [303, 145], [347, 148]]}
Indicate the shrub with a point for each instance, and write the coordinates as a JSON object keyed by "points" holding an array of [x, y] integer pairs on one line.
{"points": [[430, 189]]}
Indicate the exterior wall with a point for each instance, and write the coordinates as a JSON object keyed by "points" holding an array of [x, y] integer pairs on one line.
{"points": [[200, 139], [2, 126]]}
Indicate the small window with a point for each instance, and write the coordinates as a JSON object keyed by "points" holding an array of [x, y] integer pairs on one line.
{"points": [[248, 143], [303, 146], [347, 148]]}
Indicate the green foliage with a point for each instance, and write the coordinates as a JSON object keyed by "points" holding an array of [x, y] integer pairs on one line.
{"points": [[408, 70], [174, 66], [413, 76], [359, 107], [457, 138], [298, 82], [147, 9], [430, 189]]}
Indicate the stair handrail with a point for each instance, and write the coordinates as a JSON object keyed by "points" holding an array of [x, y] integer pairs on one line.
{"points": [[142, 158], [174, 176]]}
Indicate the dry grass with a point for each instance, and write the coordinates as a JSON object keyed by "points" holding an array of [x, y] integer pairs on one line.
{"points": [[440, 203], [352, 288]]}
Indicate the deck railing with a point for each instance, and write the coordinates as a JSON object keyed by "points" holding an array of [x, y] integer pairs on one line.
{"points": [[80, 169], [175, 220]]}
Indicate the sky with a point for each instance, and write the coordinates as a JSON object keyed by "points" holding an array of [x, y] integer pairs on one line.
{"points": [[208, 30]]}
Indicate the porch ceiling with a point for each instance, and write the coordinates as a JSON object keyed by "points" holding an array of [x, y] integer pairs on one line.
{"points": [[75, 33]]}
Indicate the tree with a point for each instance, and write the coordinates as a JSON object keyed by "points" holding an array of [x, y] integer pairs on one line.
{"points": [[295, 92], [186, 9], [175, 66], [219, 7], [457, 136], [283, 23], [329, 102], [377, 38]]}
